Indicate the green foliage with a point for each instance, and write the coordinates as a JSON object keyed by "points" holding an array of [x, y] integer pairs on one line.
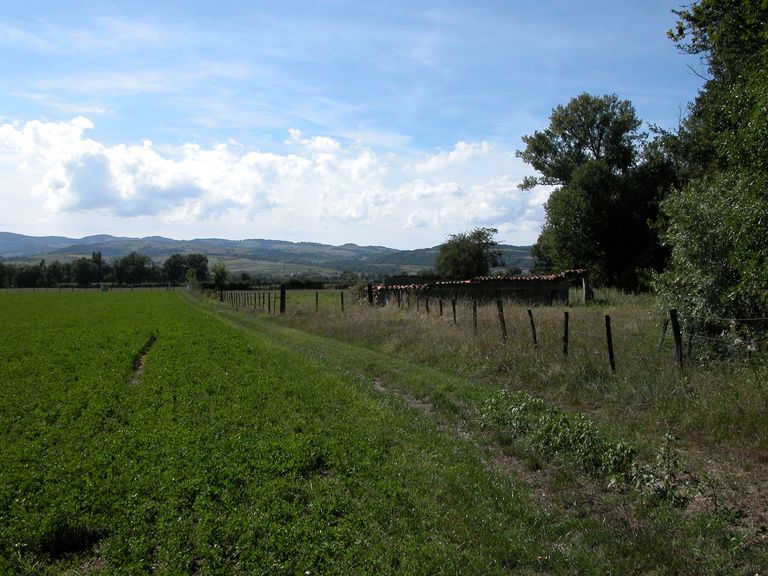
{"points": [[220, 275], [601, 128], [198, 263], [175, 269], [731, 33], [85, 271], [554, 432], [719, 267], [468, 254], [134, 269], [177, 266], [600, 218], [718, 222]]}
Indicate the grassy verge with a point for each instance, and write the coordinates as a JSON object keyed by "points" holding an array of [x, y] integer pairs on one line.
{"points": [[657, 513], [713, 402]]}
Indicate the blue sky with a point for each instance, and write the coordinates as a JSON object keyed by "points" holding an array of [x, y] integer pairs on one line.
{"points": [[388, 123]]}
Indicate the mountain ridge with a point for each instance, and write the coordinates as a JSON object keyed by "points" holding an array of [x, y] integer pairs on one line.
{"points": [[254, 255]]}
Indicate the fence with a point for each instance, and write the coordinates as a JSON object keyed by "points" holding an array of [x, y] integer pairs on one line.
{"points": [[613, 336], [610, 336]]}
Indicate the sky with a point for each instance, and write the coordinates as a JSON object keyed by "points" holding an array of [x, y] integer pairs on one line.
{"points": [[391, 123]]}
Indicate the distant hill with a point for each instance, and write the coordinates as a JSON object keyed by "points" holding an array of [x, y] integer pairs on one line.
{"points": [[255, 256]]}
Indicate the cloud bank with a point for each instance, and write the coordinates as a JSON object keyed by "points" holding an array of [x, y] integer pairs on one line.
{"points": [[312, 187]]}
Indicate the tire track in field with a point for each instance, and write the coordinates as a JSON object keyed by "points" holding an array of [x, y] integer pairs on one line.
{"points": [[137, 366]]}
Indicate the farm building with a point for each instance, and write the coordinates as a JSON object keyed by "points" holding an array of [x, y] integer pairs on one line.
{"points": [[537, 289]]}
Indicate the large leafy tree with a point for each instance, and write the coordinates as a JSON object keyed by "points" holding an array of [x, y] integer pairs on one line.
{"points": [[600, 128], [198, 263], [134, 269], [608, 186], [175, 268], [717, 223], [85, 271], [179, 268], [468, 254]]}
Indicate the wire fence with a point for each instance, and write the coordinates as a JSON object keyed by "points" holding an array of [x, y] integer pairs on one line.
{"points": [[622, 338]]}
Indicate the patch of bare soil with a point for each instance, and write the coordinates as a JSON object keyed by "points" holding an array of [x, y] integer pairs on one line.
{"points": [[140, 359], [737, 481], [420, 404]]}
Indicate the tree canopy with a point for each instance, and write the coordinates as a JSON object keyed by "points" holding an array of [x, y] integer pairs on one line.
{"points": [[588, 128], [717, 222], [609, 185], [468, 254]]}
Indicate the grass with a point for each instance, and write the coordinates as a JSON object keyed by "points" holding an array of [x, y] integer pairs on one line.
{"points": [[717, 401], [247, 446], [423, 358]]}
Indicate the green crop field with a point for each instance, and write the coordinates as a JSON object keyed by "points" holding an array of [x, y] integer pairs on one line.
{"points": [[157, 433]]}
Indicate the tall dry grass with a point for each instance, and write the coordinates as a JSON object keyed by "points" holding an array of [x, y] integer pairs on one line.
{"points": [[722, 399]]}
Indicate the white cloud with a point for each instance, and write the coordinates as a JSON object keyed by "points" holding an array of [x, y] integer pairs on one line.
{"points": [[319, 144], [450, 206], [78, 174], [316, 187], [461, 152]]}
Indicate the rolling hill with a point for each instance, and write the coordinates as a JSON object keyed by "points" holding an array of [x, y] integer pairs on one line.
{"points": [[255, 256]]}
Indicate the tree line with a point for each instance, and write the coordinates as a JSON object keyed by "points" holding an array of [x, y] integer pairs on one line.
{"points": [[682, 212], [134, 269]]}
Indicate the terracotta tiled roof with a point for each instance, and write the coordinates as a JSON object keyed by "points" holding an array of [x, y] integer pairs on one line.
{"points": [[565, 274], [528, 277]]}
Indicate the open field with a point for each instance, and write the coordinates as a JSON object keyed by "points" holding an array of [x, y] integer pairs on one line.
{"points": [[153, 432]]}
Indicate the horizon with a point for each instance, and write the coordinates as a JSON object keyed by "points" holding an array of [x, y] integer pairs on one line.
{"points": [[206, 238], [376, 125]]}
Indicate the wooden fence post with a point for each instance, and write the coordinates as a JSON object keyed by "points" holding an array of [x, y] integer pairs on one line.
{"points": [[565, 334], [426, 304], [533, 330], [474, 315], [342, 301], [269, 302], [502, 322], [678, 339], [282, 300], [609, 338], [453, 306], [370, 293], [317, 302], [440, 306]]}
